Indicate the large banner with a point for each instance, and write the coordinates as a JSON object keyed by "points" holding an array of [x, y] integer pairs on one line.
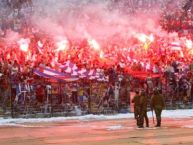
{"points": [[69, 76]]}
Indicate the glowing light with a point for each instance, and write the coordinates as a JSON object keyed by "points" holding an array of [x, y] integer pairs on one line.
{"points": [[191, 52], [142, 38], [151, 38], [125, 49], [8, 56], [24, 44], [40, 44], [189, 44], [62, 45], [146, 46], [101, 54], [94, 44]]}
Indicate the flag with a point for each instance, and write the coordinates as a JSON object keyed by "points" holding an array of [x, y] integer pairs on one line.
{"points": [[175, 46]]}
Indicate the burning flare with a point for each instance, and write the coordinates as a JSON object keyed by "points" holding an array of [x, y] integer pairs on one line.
{"points": [[24, 44], [62, 45], [94, 44]]}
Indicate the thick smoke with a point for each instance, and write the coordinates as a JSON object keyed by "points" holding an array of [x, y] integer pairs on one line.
{"points": [[103, 20]]}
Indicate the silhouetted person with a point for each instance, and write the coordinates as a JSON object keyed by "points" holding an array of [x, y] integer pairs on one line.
{"points": [[157, 104]]}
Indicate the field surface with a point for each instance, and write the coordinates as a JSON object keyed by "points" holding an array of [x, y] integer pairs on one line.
{"points": [[106, 132]]}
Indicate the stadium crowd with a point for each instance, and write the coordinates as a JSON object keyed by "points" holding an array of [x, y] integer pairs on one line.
{"points": [[164, 63]]}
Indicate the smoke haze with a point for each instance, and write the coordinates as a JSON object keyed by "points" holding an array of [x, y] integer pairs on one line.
{"points": [[103, 20]]}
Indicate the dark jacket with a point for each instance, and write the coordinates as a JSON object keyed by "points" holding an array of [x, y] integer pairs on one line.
{"points": [[157, 101], [136, 101], [143, 102]]}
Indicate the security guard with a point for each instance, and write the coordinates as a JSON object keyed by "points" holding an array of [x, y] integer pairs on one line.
{"points": [[157, 104], [136, 101], [143, 110]]}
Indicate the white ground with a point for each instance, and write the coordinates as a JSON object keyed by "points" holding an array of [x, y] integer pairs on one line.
{"points": [[177, 129], [166, 114]]}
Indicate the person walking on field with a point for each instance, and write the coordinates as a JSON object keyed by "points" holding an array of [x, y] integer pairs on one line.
{"points": [[136, 101], [143, 110], [157, 104]]}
